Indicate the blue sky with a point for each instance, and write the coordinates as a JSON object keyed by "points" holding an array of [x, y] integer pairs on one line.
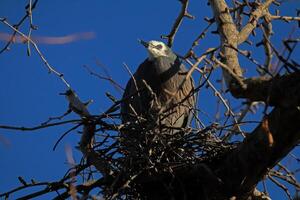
{"points": [[29, 95]]}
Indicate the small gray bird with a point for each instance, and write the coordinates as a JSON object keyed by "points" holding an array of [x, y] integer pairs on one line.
{"points": [[159, 90]]}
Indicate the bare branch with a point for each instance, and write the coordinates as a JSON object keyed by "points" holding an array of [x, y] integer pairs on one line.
{"points": [[183, 13], [49, 67], [253, 20], [22, 128], [285, 18], [30, 6]]}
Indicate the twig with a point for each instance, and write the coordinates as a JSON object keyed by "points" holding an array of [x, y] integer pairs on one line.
{"points": [[49, 67], [183, 13], [114, 83], [11, 40], [286, 178], [49, 188], [230, 71], [218, 94], [21, 128], [63, 135], [247, 55], [287, 48], [30, 27], [284, 18], [281, 186], [57, 117], [196, 41], [279, 56]]}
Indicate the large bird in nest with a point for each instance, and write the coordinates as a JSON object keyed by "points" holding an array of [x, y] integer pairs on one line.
{"points": [[159, 92]]}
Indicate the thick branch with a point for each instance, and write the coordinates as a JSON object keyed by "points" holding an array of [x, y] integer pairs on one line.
{"points": [[229, 36], [281, 91], [246, 166]]}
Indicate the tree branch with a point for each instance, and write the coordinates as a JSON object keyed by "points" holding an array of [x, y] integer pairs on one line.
{"points": [[87, 138], [281, 91], [252, 22], [183, 13], [228, 35], [22, 128]]}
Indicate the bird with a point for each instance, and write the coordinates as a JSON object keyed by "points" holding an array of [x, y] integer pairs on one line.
{"points": [[159, 91]]}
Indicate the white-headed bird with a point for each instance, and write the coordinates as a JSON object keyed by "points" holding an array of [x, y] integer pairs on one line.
{"points": [[159, 90]]}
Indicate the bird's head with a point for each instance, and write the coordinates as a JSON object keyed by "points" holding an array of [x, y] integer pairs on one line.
{"points": [[157, 49]]}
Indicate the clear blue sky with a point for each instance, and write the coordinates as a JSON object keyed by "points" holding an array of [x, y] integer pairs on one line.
{"points": [[29, 95]]}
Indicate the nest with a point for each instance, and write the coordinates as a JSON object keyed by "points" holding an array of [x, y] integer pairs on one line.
{"points": [[142, 153]]}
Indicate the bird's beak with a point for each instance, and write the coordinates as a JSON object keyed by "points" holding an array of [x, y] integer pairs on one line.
{"points": [[145, 44]]}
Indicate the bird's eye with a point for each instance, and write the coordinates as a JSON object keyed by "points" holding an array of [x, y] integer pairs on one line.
{"points": [[158, 46]]}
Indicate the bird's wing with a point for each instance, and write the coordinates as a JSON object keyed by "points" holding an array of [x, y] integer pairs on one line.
{"points": [[138, 101], [191, 101], [125, 101]]}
